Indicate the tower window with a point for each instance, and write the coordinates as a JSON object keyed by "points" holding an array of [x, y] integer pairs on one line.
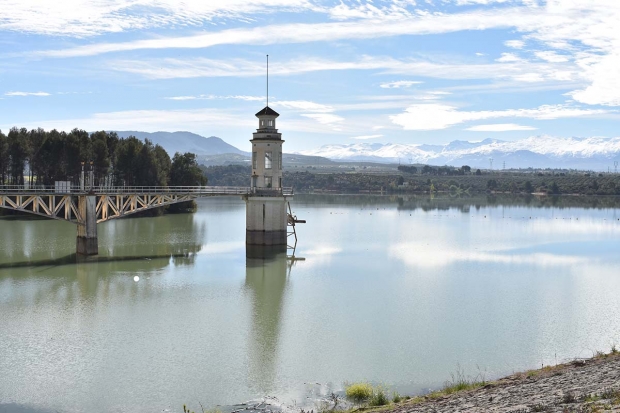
{"points": [[254, 160], [268, 158], [268, 181], [270, 123]]}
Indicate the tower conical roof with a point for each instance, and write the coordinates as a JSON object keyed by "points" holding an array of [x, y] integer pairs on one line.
{"points": [[267, 111]]}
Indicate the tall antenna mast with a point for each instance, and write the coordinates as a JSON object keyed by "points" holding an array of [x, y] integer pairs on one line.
{"points": [[267, 80]]}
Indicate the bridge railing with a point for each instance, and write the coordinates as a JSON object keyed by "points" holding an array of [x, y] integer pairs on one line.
{"points": [[116, 190]]}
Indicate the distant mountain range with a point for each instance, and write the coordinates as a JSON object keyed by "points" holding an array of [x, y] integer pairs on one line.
{"points": [[536, 151], [185, 142]]}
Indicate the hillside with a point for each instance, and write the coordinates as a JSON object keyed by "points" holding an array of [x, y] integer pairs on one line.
{"points": [[185, 142]]}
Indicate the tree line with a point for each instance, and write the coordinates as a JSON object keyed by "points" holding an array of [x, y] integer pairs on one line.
{"points": [[42, 157], [407, 181]]}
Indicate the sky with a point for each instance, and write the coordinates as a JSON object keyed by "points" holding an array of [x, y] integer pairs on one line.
{"points": [[340, 71]]}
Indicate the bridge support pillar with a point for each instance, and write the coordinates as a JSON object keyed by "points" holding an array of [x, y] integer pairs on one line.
{"points": [[87, 243], [266, 220]]}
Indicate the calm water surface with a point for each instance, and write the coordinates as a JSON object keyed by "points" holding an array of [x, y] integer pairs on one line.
{"points": [[392, 291]]}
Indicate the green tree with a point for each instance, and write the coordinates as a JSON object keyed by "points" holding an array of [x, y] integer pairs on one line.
{"points": [[101, 156], [554, 188], [4, 158], [466, 169], [478, 172], [126, 168], [17, 140], [492, 184], [163, 165], [529, 188], [185, 171], [36, 138]]}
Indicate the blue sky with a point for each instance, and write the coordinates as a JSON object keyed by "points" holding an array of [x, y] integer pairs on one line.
{"points": [[341, 71]]}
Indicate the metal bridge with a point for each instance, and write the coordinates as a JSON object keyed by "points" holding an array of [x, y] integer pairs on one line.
{"points": [[87, 207]]}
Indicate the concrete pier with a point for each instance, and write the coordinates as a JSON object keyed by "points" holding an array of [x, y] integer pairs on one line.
{"points": [[87, 242], [266, 220]]}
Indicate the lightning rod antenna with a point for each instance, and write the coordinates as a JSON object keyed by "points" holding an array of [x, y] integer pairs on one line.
{"points": [[267, 80]]}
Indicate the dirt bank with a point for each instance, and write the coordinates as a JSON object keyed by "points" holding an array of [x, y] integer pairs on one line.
{"points": [[591, 385]]}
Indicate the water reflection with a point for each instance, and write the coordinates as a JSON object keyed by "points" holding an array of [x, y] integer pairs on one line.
{"points": [[391, 295], [266, 282], [50, 242], [461, 202]]}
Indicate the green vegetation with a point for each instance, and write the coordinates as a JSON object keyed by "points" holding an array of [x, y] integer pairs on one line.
{"points": [[450, 180], [379, 398], [359, 392], [42, 157], [460, 382]]}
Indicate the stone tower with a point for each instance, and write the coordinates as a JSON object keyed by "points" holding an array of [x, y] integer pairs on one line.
{"points": [[266, 216]]}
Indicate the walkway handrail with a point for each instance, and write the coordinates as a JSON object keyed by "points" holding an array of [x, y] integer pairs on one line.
{"points": [[109, 190]]}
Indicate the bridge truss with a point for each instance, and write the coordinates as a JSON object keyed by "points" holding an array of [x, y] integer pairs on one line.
{"points": [[91, 206], [111, 202]]}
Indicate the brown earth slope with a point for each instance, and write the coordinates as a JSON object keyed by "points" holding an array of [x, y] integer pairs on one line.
{"points": [[591, 385]]}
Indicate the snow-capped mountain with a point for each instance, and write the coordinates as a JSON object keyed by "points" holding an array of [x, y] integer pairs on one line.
{"points": [[536, 151]]}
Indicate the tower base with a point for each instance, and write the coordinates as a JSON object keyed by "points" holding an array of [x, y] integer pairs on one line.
{"points": [[266, 221], [264, 252], [265, 238]]}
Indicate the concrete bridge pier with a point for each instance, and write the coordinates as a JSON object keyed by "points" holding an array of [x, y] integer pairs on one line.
{"points": [[87, 243]]}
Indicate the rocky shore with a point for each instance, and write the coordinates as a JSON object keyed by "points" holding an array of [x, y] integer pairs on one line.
{"points": [[591, 385]]}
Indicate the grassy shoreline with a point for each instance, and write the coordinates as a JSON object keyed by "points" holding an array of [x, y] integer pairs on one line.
{"points": [[460, 388]]}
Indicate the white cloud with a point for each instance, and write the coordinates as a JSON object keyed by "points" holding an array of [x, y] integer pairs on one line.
{"points": [[605, 82], [303, 105], [515, 44], [529, 78], [438, 116], [366, 137], [509, 57], [324, 118], [500, 127], [201, 67], [150, 120], [214, 97], [551, 56], [314, 32], [27, 94], [81, 18], [584, 32], [399, 84]]}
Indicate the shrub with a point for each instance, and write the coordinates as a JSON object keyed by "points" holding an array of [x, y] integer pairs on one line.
{"points": [[379, 398], [359, 392]]}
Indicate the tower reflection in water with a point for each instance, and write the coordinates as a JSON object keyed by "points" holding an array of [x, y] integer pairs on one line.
{"points": [[266, 281]]}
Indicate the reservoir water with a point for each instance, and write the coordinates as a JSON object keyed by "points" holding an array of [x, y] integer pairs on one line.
{"points": [[397, 291]]}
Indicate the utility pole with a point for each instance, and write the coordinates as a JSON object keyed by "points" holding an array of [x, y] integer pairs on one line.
{"points": [[491, 163], [615, 166]]}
